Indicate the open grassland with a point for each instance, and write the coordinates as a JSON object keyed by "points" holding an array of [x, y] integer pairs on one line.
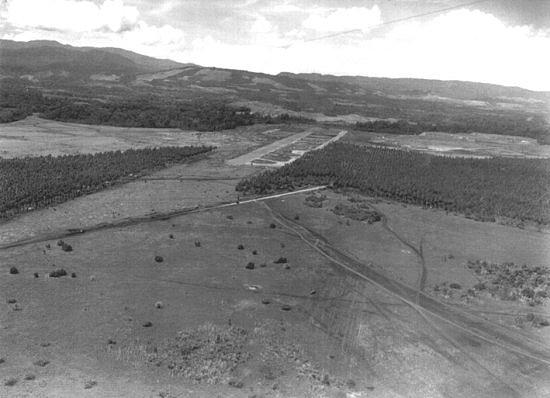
{"points": [[487, 189], [175, 287], [34, 136], [472, 145], [146, 299]]}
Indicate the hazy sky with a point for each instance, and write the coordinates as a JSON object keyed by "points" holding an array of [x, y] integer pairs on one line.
{"points": [[497, 41]]}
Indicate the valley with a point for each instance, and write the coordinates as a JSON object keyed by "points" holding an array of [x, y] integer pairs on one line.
{"points": [[223, 233]]}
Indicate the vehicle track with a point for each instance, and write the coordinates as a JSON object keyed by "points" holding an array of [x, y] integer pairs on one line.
{"points": [[152, 217], [419, 252], [471, 324]]}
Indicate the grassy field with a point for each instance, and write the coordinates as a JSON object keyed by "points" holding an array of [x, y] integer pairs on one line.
{"points": [[456, 145], [304, 327], [34, 136], [340, 334]]}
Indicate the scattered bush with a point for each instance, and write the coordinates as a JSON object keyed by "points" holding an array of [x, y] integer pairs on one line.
{"points": [[197, 244], [14, 271], [159, 305], [455, 286], [357, 213], [281, 260], [315, 201], [29, 377], [11, 382], [240, 247], [57, 273], [90, 384], [41, 362], [147, 324], [159, 259], [250, 265], [509, 281], [286, 307], [272, 226], [208, 354], [66, 247]]}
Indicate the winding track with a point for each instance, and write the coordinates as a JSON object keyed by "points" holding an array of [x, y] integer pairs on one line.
{"points": [[465, 322]]}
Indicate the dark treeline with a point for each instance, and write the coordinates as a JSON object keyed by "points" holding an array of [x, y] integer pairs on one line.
{"points": [[18, 101], [484, 189], [36, 182]]}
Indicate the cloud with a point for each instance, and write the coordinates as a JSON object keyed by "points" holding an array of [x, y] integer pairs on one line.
{"points": [[83, 23], [342, 19], [261, 25], [459, 45], [70, 15]]}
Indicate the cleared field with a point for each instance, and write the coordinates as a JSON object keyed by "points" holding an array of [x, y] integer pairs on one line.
{"points": [[289, 149], [34, 136], [457, 145]]}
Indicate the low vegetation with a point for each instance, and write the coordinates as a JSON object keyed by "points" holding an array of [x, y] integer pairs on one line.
{"points": [[360, 212], [484, 189], [31, 183], [207, 354], [509, 281]]}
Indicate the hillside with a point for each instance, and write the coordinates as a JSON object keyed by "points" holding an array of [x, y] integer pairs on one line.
{"points": [[86, 74]]}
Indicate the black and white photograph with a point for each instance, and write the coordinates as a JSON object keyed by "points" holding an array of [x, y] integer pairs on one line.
{"points": [[274, 199]]}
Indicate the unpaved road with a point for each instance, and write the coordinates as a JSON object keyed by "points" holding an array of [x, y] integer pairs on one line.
{"points": [[473, 325]]}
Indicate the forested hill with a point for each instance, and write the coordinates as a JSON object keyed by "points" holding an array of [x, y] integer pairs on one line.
{"points": [[85, 77]]}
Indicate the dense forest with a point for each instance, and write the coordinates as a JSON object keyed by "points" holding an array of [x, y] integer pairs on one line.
{"points": [[484, 189], [18, 101], [36, 182]]}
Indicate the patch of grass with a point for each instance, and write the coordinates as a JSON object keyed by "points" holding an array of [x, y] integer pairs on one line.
{"points": [[207, 354]]}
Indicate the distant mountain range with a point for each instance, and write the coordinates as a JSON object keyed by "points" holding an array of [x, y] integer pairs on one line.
{"points": [[87, 72]]}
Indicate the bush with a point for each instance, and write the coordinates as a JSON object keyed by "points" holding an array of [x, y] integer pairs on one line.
{"points": [[58, 273]]}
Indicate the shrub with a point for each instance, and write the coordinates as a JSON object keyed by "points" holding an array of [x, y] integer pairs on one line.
{"points": [[57, 273]]}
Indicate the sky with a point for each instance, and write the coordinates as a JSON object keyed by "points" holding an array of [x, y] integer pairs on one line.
{"points": [[504, 42]]}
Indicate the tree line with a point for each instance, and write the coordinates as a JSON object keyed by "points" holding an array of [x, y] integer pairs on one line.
{"points": [[37, 182], [485, 189]]}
